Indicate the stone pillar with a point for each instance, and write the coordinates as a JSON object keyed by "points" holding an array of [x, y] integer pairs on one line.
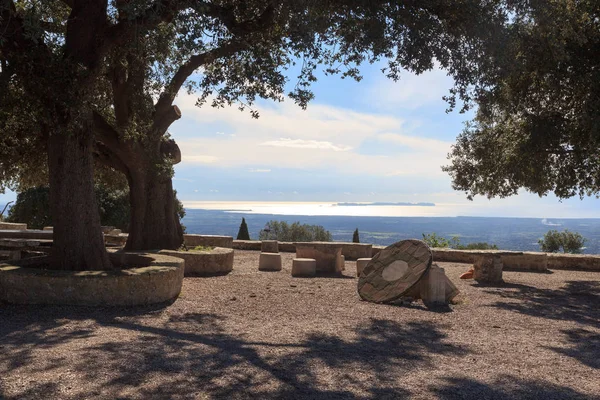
{"points": [[433, 287], [269, 262], [488, 269], [304, 267], [269, 246], [361, 263]]}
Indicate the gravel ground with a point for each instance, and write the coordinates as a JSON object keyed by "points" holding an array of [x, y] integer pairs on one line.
{"points": [[266, 335]]}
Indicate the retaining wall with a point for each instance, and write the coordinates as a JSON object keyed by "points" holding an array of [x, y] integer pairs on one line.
{"points": [[154, 278], [208, 240]]}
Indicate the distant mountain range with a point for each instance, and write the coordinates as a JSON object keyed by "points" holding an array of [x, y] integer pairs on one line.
{"points": [[386, 204]]}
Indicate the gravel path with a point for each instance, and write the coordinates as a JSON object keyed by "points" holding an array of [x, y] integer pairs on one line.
{"points": [[266, 335]]}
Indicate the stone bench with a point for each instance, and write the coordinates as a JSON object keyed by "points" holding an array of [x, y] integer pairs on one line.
{"points": [[208, 241], [328, 255], [304, 267]]}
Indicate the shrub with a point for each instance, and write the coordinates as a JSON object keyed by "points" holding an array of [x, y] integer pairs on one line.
{"points": [[355, 238], [433, 240], [570, 242], [243, 231], [284, 232], [476, 246]]}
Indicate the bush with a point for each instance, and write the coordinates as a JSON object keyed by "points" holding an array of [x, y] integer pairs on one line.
{"points": [[433, 240], [355, 238], [476, 246], [570, 242], [284, 232], [243, 233]]}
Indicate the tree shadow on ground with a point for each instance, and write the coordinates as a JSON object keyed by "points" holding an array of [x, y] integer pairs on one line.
{"points": [[584, 346], [192, 354], [504, 387], [577, 301]]}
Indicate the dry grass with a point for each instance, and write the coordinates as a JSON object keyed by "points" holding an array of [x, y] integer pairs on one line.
{"points": [[263, 335]]}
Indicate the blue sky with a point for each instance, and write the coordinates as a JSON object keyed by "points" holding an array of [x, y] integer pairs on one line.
{"points": [[374, 140]]}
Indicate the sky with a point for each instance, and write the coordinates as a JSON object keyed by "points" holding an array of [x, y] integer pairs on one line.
{"points": [[370, 141]]}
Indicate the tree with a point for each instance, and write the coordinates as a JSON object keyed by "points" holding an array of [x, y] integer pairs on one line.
{"points": [[570, 242], [538, 122], [355, 238], [243, 231], [32, 207], [296, 232], [99, 77]]}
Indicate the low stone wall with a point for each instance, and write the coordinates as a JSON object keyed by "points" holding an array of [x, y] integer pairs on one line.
{"points": [[253, 245], [208, 240], [574, 261], [204, 263], [13, 226], [517, 260], [352, 251], [156, 278], [25, 234]]}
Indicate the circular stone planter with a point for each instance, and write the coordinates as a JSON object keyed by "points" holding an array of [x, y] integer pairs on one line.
{"points": [[154, 278], [218, 261]]}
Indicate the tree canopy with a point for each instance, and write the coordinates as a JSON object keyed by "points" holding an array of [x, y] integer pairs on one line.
{"points": [[83, 77], [538, 122]]}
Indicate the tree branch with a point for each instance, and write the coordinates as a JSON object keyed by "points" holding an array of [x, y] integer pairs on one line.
{"points": [[185, 70]]}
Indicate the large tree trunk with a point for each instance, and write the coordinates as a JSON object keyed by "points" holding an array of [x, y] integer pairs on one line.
{"points": [[78, 243], [154, 220]]}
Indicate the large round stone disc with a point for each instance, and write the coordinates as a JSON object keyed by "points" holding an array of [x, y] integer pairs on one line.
{"points": [[394, 270]]}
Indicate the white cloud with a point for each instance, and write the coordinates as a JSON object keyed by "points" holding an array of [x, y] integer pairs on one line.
{"points": [[198, 159], [411, 91], [279, 138], [305, 144], [258, 170], [220, 133]]}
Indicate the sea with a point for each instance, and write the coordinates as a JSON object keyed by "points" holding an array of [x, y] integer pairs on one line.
{"points": [[385, 223]]}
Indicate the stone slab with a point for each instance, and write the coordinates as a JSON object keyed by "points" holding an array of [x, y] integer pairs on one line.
{"points": [[394, 271]]}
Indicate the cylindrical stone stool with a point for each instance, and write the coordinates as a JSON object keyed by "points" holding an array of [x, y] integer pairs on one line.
{"points": [[488, 269], [361, 263], [269, 246], [304, 267], [269, 262]]}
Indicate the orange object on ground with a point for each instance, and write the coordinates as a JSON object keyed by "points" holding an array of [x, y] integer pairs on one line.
{"points": [[468, 274]]}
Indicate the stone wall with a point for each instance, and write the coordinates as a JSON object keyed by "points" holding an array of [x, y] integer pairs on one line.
{"points": [[518, 261], [12, 226], [208, 240], [155, 278], [352, 251]]}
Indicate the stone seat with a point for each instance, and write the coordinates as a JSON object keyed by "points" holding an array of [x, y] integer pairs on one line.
{"points": [[269, 262], [304, 267]]}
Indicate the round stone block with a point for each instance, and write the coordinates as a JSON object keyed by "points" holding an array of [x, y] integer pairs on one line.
{"points": [[216, 261], [394, 271], [361, 263], [304, 267], [269, 262], [269, 246]]}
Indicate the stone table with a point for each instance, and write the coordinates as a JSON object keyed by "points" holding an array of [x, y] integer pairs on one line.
{"points": [[328, 255]]}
